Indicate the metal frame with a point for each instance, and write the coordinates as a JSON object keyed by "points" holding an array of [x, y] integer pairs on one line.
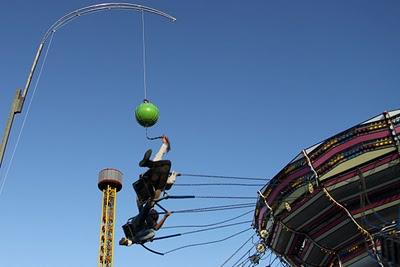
{"points": [[19, 99], [107, 226]]}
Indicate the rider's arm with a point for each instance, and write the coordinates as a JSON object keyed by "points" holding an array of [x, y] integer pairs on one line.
{"points": [[162, 221], [163, 149]]}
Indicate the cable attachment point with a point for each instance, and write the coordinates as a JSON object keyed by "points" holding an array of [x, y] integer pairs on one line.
{"points": [[264, 234], [152, 138], [260, 248]]}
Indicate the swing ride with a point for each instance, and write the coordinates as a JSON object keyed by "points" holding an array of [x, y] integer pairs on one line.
{"points": [[333, 204], [110, 180], [20, 96]]}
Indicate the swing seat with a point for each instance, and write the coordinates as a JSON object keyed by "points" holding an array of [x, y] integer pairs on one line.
{"points": [[135, 235], [144, 236], [144, 190]]}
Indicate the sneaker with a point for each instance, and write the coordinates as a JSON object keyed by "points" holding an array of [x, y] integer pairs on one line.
{"points": [[124, 241], [145, 159]]}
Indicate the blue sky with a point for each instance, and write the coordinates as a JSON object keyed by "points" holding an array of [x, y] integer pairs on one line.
{"points": [[242, 87]]}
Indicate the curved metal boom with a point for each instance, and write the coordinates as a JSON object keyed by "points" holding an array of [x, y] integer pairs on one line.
{"points": [[20, 96], [100, 7], [81, 12]]}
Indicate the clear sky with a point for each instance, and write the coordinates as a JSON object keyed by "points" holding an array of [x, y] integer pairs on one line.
{"points": [[241, 86]]}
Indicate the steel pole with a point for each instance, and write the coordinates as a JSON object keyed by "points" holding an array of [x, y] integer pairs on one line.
{"points": [[16, 108]]}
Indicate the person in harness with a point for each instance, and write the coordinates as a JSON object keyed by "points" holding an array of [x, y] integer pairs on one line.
{"points": [[148, 188], [158, 177], [142, 228]]}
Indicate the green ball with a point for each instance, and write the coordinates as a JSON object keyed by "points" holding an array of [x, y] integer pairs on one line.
{"points": [[146, 114]]}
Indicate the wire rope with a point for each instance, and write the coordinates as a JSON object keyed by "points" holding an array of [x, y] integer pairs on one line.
{"points": [[199, 231], [152, 138], [209, 225], [209, 242], [213, 208], [240, 261], [26, 116], [237, 250], [218, 184], [270, 259], [224, 177], [144, 57], [224, 197], [273, 260], [214, 228], [210, 210]]}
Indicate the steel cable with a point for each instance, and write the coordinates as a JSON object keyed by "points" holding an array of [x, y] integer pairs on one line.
{"points": [[219, 184], [237, 250], [209, 242], [3, 181], [214, 208], [224, 177], [208, 225]]}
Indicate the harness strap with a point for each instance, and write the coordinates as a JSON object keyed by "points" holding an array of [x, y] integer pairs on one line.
{"points": [[153, 251]]}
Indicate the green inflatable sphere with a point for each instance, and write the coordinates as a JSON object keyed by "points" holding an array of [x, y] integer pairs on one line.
{"points": [[146, 114]]}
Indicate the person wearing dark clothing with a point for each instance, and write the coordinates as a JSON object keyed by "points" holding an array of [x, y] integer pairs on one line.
{"points": [[158, 177], [158, 171], [141, 228]]}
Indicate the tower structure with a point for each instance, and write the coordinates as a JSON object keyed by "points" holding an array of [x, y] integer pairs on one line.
{"points": [[110, 182]]}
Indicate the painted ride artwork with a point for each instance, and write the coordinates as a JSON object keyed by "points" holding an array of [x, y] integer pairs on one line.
{"points": [[337, 202]]}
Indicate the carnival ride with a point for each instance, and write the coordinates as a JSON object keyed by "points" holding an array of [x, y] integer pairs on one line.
{"points": [[333, 204], [110, 180]]}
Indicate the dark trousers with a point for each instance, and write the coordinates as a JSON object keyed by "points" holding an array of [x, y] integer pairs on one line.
{"points": [[137, 224], [158, 173]]}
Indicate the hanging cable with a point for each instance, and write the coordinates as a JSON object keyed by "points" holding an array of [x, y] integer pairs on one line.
{"points": [[270, 259], [224, 177], [152, 138], [214, 228], [237, 250], [213, 208], [209, 210], [268, 254], [208, 225], [209, 242], [26, 116], [223, 197], [219, 184], [144, 59], [244, 261], [240, 260], [152, 251], [273, 261], [201, 230]]}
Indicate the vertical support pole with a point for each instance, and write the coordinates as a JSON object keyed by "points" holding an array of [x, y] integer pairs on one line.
{"points": [[18, 104], [16, 107]]}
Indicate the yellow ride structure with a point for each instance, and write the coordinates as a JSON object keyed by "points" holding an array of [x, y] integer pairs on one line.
{"points": [[110, 182]]}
